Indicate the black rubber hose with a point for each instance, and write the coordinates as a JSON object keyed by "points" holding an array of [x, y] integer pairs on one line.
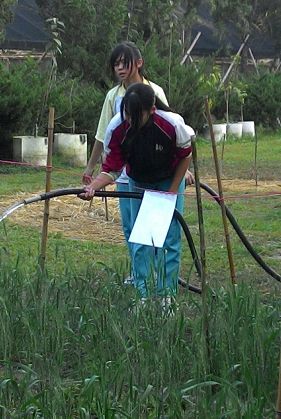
{"points": [[78, 191], [190, 241], [242, 236]]}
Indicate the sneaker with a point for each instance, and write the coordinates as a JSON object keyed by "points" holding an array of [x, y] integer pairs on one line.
{"points": [[168, 306], [129, 280], [137, 306]]}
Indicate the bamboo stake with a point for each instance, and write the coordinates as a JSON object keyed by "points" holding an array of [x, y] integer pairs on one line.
{"points": [[188, 52], [44, 236], [222, 204], [234, 61], [256, 157], [205, 317], [278, 403], [200, 216], [104, 199], [106, 206], [254, 61]]}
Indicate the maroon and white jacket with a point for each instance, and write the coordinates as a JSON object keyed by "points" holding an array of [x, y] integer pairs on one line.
{"points": [[153, 154]]}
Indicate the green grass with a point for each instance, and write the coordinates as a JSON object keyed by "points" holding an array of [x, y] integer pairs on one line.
{"points": [[71, 347], [239, 157], [29, 179]]}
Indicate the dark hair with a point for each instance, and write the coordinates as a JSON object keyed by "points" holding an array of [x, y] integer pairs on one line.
{"points": [[139, 97], [129, 51]]}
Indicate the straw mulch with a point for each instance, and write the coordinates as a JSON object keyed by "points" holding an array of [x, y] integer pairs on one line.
{"points": [[69, 215], [83, 220]]}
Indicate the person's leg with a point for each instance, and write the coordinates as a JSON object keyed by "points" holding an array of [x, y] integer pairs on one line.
{"points": [[143, 257], [168, 258], [125, 212]]}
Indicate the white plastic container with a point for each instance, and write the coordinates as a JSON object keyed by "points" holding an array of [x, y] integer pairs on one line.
{"points": [[235, 129], [72, 148], [30, 149], [219, 132], [248, 128]]}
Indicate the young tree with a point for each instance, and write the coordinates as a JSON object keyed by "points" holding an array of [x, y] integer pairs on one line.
{"points": [[91, 30], [6, 15], [161, 20], [272, 23], [249, 16]]}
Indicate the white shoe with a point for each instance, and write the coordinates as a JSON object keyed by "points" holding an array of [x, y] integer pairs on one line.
{"points": [[138, 306], [168, 306], [129, 280]]}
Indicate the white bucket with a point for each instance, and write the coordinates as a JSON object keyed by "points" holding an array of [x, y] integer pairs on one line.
{"points": [[219, 132], [235, 129], [30, 149], [72, 147], [248, 128]]}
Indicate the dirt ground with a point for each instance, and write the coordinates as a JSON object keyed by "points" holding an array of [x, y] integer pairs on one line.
{"points": [[82, 220]]}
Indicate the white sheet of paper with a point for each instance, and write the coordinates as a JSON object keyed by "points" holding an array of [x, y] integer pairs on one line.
{"points": [[154, 218]]}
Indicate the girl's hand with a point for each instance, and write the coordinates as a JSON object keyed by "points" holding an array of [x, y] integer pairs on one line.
{"points": [[87, 179], [88, 194], [189, 178]]}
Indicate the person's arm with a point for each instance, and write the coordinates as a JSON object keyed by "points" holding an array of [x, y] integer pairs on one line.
{"points": [[113, 162], [184, 133], [103, 179], [181, 171], [105, 117], [94, 158]]}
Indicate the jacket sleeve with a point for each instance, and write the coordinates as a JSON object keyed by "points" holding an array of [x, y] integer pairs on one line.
{"points": [[183, 138], [113, 162], [106, 115]]}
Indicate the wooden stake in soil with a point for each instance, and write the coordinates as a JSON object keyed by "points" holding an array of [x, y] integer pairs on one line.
{"points": [[105, 199], [222, 205], [205, 317], [278, 403], [200, 214], [44, 236], [256, 157]]}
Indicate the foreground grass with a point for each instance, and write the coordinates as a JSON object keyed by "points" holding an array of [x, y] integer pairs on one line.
{"points": [[72, 347]]}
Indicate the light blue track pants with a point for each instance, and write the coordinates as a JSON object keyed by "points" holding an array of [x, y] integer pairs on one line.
{"points": [[125, 211], [155, 266]]}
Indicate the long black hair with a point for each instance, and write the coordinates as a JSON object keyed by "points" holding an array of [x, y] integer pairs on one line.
{"points": [[139, 98], [129, 52]]}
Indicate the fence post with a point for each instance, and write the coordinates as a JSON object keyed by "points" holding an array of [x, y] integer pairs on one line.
{"points": [[44, 236]]}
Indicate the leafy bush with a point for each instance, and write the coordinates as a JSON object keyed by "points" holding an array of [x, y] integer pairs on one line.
{"points": [[21, 92], [188, 84], [25, 97], [76, 101], [263, 103]]}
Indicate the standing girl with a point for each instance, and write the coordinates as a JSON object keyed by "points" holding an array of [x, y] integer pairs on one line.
{"points": [[154, 145], [127, 65]]}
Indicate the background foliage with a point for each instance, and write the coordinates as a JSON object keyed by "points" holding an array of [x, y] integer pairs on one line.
{"points": [[6, 15], [162, 30]]}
